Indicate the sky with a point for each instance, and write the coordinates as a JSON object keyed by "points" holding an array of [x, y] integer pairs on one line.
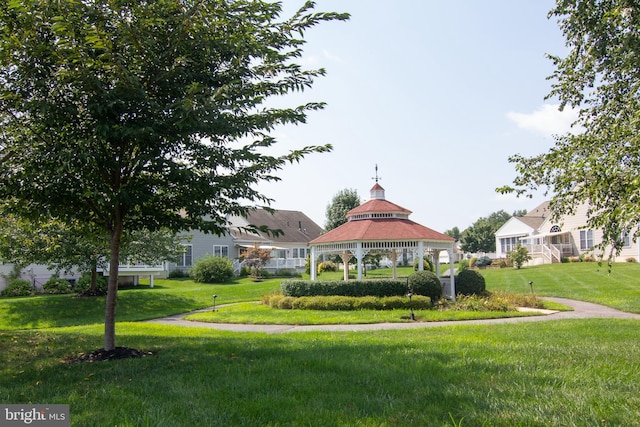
{"points": [[437, 94]]}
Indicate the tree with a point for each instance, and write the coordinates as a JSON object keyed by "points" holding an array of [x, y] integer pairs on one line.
{"points": [[342, 202], [480, 237], [454, 232], [519, 256], [65, 247], [142, 115], [598, 163], [255, 259]]}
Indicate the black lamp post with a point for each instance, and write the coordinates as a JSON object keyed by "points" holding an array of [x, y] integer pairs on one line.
{"points": [[214, 302], [531, 286], [412, 316]]}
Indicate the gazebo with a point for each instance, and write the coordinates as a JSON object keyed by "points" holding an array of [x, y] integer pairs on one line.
{"points": [[379, 225]]}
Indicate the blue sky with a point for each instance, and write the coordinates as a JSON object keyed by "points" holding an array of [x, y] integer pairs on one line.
{"points": [[438, 94]]}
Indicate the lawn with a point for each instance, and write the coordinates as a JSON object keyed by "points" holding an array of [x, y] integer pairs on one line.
{"points": [[569, 373]]}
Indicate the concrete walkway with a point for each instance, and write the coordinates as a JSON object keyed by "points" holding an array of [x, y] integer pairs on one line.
{"points": [[581, 310]]}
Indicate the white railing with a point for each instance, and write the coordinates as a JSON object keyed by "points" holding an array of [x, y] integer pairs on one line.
{"points": [[275, 264], [136, 268]]}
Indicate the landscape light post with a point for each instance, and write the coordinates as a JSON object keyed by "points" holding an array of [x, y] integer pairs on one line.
{"points": [[214, 302], [412, 316]]}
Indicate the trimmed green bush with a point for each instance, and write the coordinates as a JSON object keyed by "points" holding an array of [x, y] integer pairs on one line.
{"points": [[351, 288], [470, 282], [343, 303], [84, 283], [18, 288], [177, 274], [212, 269], [425, 283], [56, 285]]}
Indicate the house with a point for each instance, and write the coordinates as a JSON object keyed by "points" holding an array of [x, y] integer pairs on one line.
{"points": [[289, 248], [549, 241]]}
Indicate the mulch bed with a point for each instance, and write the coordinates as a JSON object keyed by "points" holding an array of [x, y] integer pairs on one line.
{"points": [[115, 354]]}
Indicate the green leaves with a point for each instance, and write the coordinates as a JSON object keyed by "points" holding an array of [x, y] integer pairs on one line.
{"points": [[597, 164]]}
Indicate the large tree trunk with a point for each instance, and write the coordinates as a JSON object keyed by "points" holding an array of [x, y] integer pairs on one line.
{"points": [[112, 288]]}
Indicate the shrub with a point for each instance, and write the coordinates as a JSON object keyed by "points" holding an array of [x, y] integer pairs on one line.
{"points": [[177, 274], [352, 288], [425, 283], [327, 266], [574, 259], [212, 269], [588, 258], [343, 303], [630, 259], [470, 282], [519, 256], [483, 261], [55, 285], [84, 283], [472, 261], [427, 265], [463, 264], [18, 288]]}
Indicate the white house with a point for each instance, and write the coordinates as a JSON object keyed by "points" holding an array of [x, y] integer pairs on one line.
{"points": [[549, 241]]}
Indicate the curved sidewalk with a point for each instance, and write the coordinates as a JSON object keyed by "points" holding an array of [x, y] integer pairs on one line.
{"points": [[581, 310]]}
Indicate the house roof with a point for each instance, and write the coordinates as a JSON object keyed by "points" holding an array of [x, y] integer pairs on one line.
{"points": [[296, 227]]}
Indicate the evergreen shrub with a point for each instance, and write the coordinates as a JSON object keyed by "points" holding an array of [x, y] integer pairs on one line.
{"points": [[212, 269], [351, 288], [470, 282], [425, 283], [344, 303]]}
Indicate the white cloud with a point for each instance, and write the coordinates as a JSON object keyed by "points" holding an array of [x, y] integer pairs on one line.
{"points": [[547, 120]]}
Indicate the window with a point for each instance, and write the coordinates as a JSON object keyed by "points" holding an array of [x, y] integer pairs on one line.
{"points": [[221, 251], [586, 239], [508, 244], [298, 253], [625, 239], [186, 259], [555, 229]]}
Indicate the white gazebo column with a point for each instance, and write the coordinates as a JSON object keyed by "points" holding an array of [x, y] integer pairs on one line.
{"points": [[312, 263], [452, 286], [420, 256], [359, 257], [394, 259], [436, 261], [345, 257]]}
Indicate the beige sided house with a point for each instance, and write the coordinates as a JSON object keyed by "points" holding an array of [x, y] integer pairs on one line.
{"points": [[549, 241]]}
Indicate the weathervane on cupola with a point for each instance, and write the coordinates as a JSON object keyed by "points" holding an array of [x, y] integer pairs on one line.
{"points": [[377, 192], [377, 178]]}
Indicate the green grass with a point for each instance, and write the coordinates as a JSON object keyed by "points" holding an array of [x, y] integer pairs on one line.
{"points": [[253, 313], [564, 373], [586, 281], [165, 298]]}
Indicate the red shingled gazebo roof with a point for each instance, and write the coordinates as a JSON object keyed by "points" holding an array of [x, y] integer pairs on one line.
{"points": [[380, 220]]}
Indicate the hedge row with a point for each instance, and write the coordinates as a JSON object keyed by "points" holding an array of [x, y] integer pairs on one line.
{"points": [[344, 303], [351, 288]]}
